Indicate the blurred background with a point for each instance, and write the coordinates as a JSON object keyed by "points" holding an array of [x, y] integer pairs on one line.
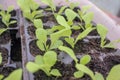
{"points": [[110, 7]]}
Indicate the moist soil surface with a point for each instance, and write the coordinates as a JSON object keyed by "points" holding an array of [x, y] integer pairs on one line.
{"points": [[102, 59]]}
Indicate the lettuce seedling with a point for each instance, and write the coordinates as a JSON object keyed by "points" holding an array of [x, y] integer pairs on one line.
{"points": [[50, 3], [6, 16], [45, 64], [15, 75], [102, 31], [80, 65], [54, 38], [29, 9], [72, 41]]}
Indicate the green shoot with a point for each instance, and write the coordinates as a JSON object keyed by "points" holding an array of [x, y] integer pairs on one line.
{"points": [[6, 16], [44, 63], [50, 3], [15, 75], [29, 9]]}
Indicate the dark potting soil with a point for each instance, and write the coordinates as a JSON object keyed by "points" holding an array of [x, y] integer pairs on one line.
{"points": [[15, 46], [5, 37], [5, 56]]}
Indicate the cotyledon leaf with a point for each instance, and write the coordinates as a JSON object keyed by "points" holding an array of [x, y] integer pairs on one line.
{"points": [[69, 52]]}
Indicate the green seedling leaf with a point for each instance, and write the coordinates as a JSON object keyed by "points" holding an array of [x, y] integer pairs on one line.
{"points": [[61, 10], [23, 5], [56, 44], [75, 27], [10, 8], [39, 60], [102, 31], [88, 17], [38, 23], [86, 70], [55, 72], [41, 33], [50, 58], [114, 73], [49, 3], [61, 20], [84, 34], [69, 52], [78, 74], [1, 77], [98, 76], [70, 14], [85, 59], [85, 8], [15, 75], [0, 57], [70, 41], [40, 45], [55, 28], [62, 33], [2, 30], [73, 5], [33, 5], [13, 22], [32, 67]]}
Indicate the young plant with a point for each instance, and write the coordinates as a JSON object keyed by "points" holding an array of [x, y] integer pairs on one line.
{"points": [[50, 3], [55, 41], [80, 65], [45, 64], [15, 75], [29, 9], [102, 31], [6, 16]]}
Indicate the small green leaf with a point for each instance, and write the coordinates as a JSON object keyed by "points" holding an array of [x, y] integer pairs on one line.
{"points": [[10, 8], [75, 27], [85, 59], [88, 17], [2, 30], [39, 60], [15, 75], [55, 72], [49, 3], [50, 58], [78, 74], [69, 52], [13, 21], [41, 33], [61, 10], [0, 57], [98, 76], [70, 41], [38, 23], [114, 73], [86, 70], [32, 67], [85, 8], [73, 5], [102, 31], [56, 44], [62, 33], [1, 77], [70, 14], [61, 20], [40, 45], [84, 34]]}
